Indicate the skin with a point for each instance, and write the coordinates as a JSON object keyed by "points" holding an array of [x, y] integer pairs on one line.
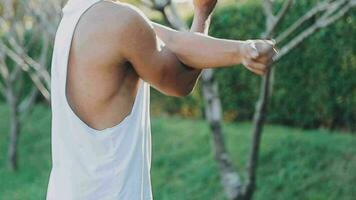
{"points": [[114, 45]]}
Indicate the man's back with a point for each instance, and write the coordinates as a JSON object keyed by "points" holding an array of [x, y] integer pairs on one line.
{"points": [[101, 84], [91, 159]]}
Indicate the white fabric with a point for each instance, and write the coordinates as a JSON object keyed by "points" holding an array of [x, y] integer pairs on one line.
{"points": [[88, 164]]}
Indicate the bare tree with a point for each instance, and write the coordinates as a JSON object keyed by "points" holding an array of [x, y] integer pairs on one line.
{"points": [[330, 10], [324, 14], [20, 17], [11, 98]]}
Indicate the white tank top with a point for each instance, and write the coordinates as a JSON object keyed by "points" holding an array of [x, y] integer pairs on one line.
{"points": [[88, 164]]}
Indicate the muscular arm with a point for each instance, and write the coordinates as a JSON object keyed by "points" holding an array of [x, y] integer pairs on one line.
{"points": [[191, 75], [174, 68], [157, 64], [200, 51]]}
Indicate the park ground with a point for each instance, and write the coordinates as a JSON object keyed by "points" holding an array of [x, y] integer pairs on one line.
{"points": [[294, 164]]}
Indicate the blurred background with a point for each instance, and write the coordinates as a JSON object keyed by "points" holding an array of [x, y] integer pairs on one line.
{"points": [[289, 135]]}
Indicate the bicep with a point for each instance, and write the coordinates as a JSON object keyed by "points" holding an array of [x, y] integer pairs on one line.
{"points": [[146, 52]]}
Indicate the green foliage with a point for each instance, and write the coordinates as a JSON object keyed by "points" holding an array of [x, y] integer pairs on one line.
{"points": [[294, 164], [318, 87], [314, 84], [190, 106], [238, 87]]}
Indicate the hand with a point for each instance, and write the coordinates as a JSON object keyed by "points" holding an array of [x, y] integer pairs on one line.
{"points": [[258, 55], [204, 7]]}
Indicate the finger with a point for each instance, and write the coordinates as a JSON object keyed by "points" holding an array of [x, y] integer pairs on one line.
{"points": [[256, 71], [265, 62], [265, 58], [256, 67]]}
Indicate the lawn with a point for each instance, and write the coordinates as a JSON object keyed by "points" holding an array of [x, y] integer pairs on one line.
{"points": [[294, 164]]}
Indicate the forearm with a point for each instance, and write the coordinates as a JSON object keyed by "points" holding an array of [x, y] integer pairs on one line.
{"points": [[198, 50]]}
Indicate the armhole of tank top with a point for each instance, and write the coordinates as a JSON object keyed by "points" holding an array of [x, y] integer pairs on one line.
{"points": [[90, 129]]}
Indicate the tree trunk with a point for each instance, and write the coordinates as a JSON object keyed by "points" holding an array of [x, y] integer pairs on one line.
{"points": [[258, 120], [333, 10], [14, 129], [229, 177]]}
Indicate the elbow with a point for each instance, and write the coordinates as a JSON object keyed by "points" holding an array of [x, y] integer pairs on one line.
{"points": [[177, 91], [186, 93], [175, 85], [181, 91]]}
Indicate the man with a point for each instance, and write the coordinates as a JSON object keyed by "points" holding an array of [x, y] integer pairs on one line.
{"points": [[106, 56]]}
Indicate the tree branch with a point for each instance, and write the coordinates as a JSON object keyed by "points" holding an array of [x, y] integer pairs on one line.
{"points": [[268, 8], [175, 19], [28, 102], [2, 88], [230, 179], [258, 120], [34, 77], [267, 83], [311, 13], [319, 23], [4, 71], [31, 62], [155, 5], [276, 20]]}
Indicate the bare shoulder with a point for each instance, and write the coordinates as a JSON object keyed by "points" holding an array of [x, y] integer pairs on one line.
{"points": [[126, 23], [116, 27], [122, 16], [118, 21]]}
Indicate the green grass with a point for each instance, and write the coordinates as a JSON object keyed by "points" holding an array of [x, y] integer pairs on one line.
{"points": [[294, 164]]}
